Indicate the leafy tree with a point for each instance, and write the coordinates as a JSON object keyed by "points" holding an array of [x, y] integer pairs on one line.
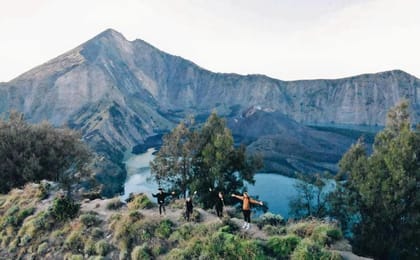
{"points": [[381, 190], [174, 162], [312, 191], [203, 159], [31, 153]]}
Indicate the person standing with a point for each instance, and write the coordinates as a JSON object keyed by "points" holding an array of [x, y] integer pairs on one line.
{"points": [[246, 207], [188, 208], [219, 204], [161, 195]]}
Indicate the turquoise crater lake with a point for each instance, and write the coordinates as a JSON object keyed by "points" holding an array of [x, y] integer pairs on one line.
{"points": [[275, 189]]}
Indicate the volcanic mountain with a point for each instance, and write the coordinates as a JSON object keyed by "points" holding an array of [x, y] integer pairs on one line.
{"points": [[122, 94]]}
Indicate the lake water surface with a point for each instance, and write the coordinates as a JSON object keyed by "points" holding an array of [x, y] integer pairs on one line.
{"points": [[274, 189]]}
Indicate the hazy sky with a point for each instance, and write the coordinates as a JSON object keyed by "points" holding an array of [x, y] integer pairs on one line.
{"points": [[285, 39]]}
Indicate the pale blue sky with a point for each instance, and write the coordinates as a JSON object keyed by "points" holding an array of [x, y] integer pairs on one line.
{"points": [[285, 39]]}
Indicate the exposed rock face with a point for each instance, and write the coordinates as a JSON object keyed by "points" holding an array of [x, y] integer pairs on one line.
{"points": [[120, 92]]}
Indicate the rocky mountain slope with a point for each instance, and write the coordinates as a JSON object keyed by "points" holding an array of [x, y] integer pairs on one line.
{"points": [[119, 93]]}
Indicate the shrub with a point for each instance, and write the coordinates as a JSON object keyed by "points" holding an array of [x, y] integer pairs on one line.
{"points": [[229, 225], [42, 221], [228, 246], [140, 201], [43, 190], [141, 252], [303, 228], [335, 234], [97, 257], [42, 248], [75, 257], [130, 231], [180, 254], [24, 240], [195, 216], [74, 242], [97, 233], [282, 246], [102, 247], [64, 208], [89, 248], [114, 204], [274, 231], [308, 250], [270, 219], [326, 234], [164, 229], [158, 249], [15, 216], [182, 233], [89, 219], [135, 216]]}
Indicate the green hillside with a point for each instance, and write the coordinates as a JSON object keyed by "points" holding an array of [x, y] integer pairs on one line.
{"points": [[33, 228]]}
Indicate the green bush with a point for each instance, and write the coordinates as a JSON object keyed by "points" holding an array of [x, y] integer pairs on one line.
{"points": [[114, 204], [309, 250], [195, 216], [24, 240], [164, 229], [75, 257], [135, 216], [140, 253], [64, 208], [97, 233], [90, 219], [130, 231], [182, 233], [15, 216], [102, 247], [140, 201], [42, 221], [229, 246], [43, 190], [282, 246], [273, 230], [42, 248], [335, 234], [74, 242], [97, 257], [229, 225], [89, 248], [270, 219], [326, 234]]}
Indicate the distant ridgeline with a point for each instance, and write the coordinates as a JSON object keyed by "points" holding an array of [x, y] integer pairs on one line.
{"points": [[122, 94]]}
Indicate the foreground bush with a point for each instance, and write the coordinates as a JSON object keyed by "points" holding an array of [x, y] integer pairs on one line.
{"points": [[281, 247], [139, 201], [308, 250], [64, 208]]}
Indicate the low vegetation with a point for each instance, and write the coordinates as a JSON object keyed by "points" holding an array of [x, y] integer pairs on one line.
{"points": [[31, 227]]}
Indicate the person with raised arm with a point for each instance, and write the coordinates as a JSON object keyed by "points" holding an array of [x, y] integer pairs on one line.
{"points": [[161, 195], [246, 207]]}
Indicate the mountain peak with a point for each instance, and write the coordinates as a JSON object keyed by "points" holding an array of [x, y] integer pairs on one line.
{"points": [[111, 33]]}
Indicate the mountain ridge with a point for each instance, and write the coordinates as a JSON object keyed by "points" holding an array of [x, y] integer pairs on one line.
{"points": [[119, 93]]}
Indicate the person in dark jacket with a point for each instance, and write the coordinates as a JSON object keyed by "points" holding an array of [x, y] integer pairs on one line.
{"points": [[246, 207], [188, 208], [161, 195], [219, 204]]}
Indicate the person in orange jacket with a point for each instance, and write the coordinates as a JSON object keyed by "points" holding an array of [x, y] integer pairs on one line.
{"points": [[246, 207]]}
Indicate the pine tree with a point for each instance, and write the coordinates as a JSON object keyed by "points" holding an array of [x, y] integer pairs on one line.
{"points": [[381, 190]]}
